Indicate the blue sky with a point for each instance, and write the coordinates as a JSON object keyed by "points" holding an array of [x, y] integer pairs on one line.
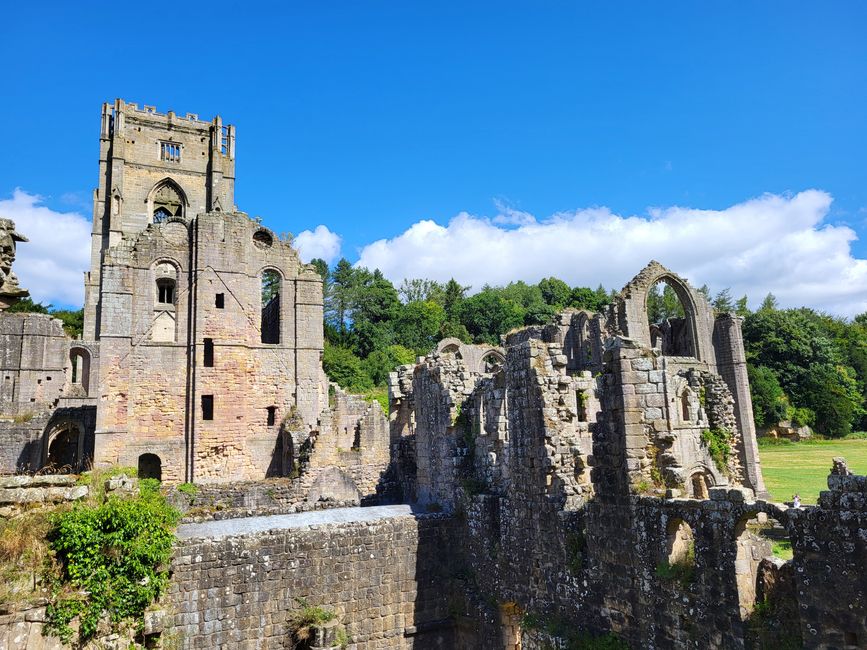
{"points": [[372, 118]]}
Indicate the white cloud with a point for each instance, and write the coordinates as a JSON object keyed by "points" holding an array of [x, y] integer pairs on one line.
{"points": [[320, 242], [773, 243], [52, 263]]}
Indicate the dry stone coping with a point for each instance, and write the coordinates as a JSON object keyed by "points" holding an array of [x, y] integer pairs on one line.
{"points": [[46, 480], [253, 525]]}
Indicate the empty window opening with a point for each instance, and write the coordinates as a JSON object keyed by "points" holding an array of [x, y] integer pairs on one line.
{"points": [[491, 363], [510, 626], [209, 353], [684, 407], [678, 559], [765, 574], [207, 407], [270, 307], [161, 214], [79, 361], [150, 466], [272, 415], [166, 291], [170, 151], [680, 543], [699, 484], [671, 323], [581, 402], [220, 301]]}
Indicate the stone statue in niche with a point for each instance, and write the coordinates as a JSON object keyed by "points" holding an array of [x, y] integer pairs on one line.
{"points": [[10, 292]]}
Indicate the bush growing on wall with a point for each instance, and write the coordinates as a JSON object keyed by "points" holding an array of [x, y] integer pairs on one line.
{"points": [[111, 558]]}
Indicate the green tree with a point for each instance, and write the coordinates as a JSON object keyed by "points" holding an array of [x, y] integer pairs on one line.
{"points": [[453, 295], [529, 298], [375, 309], [770, 404], [73, 321], [321, 267], [344, 368], [420, 290], [450, 329], [663, 303], [555, 292], [340, 296], [833, 397], [587, 298], [741, 307], [381, 362], [769, 303], [419, 324], [723, 302], [28, 306], [488, 314], [803, 349]]}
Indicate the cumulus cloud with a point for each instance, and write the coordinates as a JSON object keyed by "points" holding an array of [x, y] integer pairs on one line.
{"points": [[52, 263], [772, 243], [320, 242]]}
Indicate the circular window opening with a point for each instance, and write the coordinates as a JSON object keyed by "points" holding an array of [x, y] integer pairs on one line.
{"points": [[263, 239]]}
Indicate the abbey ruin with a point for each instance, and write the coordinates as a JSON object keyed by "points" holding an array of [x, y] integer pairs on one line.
{"points": [[596, 475]]}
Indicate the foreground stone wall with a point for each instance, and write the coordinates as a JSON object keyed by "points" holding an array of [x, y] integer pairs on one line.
{"points": [[383, 579]]}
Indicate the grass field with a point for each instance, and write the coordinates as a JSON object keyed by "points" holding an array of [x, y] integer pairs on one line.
{"points": [[803, 467]]}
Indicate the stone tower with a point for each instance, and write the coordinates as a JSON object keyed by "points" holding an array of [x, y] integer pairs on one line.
{"points": [[153, 166]]}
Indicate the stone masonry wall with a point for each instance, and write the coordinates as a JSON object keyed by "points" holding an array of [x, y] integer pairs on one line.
{"points": [[383, 580]]}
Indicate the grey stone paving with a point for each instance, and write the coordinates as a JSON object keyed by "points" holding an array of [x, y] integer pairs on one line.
{"points": [[252, 525]]}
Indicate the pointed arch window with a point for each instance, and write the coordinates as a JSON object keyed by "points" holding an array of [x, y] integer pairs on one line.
{"points": [[166, 200]]}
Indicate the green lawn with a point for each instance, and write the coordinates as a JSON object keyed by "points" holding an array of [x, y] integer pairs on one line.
{"points": [[803, 467]]}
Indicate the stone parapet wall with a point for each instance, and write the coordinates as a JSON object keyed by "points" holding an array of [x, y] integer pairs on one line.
{"points": [[383, 580]]}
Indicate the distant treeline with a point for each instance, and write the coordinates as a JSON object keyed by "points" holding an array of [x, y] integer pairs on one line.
{"points": [[804, 365]]}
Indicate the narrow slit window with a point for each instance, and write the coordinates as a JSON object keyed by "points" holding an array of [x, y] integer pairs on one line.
{"points": [[207, 407], [209, 353], [272, 415], [270, 325], [220, 301]]}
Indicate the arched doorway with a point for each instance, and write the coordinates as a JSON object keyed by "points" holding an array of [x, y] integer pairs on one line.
{"points": [[150, 466], [63, 449]]}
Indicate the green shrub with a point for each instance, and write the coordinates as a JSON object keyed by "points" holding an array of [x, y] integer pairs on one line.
{"points": [[801, 417], [718, 443], [110, 558], [190, 489], [303, 620]]}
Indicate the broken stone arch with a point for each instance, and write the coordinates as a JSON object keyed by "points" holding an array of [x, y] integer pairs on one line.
{"points": [[633, 316], [491, 361], [63, 446]]}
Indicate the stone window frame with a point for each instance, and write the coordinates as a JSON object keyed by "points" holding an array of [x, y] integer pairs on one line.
{"points": [[183, 201], [170, 151], [280, 305]]}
